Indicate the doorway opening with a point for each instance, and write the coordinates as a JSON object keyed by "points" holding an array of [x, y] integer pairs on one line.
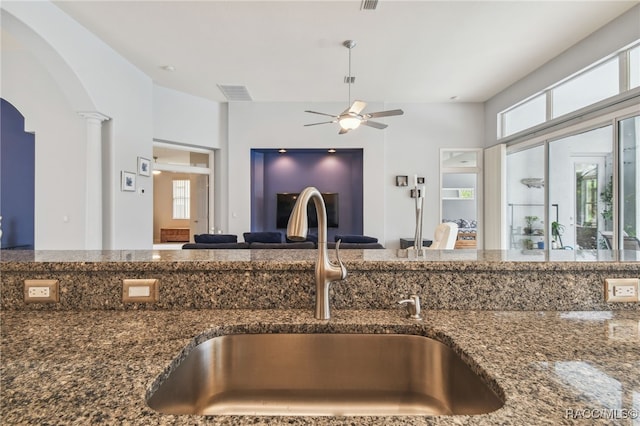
{"points": [[182, 194], [460, 194]]}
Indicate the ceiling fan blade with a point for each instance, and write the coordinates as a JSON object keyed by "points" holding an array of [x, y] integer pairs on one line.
{"points": [[384, 113], [356, 107], [324, 122], [374, 124], [322, 113]]}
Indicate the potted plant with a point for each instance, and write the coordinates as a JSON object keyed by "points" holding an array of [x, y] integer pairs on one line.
{"points": [[606, 196], [531, 220], [556, 232]]}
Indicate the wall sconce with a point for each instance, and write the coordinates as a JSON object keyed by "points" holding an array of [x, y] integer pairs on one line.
{"points": [[402, 180]]}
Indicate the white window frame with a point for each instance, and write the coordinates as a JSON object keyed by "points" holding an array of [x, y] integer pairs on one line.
{"points": [[624, 73]]}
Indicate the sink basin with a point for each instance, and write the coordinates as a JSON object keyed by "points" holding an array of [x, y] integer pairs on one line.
{"points": [[323, 374]]}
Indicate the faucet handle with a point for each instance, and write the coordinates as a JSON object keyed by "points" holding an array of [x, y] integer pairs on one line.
{"points": [[413, 307], [343, 269]]}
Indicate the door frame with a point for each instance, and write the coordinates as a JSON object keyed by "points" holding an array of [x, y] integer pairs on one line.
{"points": [[479, 195], [592, 158], [177, 168]]}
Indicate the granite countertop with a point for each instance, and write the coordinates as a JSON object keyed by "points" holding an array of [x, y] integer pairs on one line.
{"points": [[82, 367], [296, 259]]}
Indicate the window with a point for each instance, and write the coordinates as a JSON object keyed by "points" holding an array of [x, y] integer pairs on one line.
{"points": [[181, 199], [525, 115], [580, 170], [525, 198], [597, 82], [629, 210], [634, 67], [587, 88]]}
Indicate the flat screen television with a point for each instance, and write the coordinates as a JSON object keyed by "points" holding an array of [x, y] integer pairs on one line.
{"points": [[286, 201]]}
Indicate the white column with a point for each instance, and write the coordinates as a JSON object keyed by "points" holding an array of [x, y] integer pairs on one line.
{"points": [[495, 198], [93, 181]]}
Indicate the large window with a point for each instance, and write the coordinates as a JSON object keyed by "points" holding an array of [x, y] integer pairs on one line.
{"points": [[577, 189], [580, 171], [629, 135], [525, 198]]}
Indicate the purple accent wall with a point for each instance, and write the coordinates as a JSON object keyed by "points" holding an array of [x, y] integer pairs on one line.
{"points": [[17, 179], [294, 170]]}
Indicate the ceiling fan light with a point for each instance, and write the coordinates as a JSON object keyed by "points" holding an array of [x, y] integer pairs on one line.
{"points": [[349, 123]]}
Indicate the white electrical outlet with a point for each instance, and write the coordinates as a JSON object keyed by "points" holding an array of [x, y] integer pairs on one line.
{"points": [[621, 289], [624, 290], [38, 291], [140, 290], [41, 291]]}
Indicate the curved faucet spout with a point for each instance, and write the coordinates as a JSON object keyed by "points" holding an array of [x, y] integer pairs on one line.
{"points": [[326, 271]]}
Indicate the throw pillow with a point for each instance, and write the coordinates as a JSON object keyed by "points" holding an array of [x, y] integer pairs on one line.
{"points": [[358, 239], [215, 238], [263, 237]]}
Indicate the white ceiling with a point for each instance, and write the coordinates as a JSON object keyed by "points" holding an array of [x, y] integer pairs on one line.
{"points": [[407, 51]]}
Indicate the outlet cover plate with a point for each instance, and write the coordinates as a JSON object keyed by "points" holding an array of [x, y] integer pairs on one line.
{"points": [[41, 291], [621, 289], [145, 290]]}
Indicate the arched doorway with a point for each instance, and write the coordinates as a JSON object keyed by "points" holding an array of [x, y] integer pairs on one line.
{"points": [[17, 180]]}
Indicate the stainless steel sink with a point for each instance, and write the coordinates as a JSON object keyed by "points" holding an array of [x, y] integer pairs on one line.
{"points": [[323, 374]]}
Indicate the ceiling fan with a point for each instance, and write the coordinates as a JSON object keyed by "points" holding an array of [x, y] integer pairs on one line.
{"points": [[352, 117]]}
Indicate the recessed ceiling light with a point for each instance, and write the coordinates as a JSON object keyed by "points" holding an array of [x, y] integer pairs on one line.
{"points": [[169, 68], [282, 150], [331, 151]]}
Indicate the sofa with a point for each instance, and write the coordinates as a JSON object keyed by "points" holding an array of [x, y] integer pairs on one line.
{"points": [[276, 240]]}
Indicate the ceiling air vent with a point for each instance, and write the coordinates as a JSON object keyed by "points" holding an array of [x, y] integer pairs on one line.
{"points": [[369, 5], [235, 93]]}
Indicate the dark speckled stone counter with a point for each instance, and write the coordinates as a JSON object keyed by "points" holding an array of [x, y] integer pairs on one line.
{"points": [[95, 367], [277, 279], [534, 325]]}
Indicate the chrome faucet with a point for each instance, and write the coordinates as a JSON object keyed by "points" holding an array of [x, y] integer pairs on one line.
{"points": [[326, 272]]}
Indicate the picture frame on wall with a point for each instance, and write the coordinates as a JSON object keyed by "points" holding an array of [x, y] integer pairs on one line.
{"points": [[144, 166], [402, 180], [128, 181]]}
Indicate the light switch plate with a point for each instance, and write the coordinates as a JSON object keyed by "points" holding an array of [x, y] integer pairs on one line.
{"points": [[621, 289], [145, 290], [41, 291]]}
